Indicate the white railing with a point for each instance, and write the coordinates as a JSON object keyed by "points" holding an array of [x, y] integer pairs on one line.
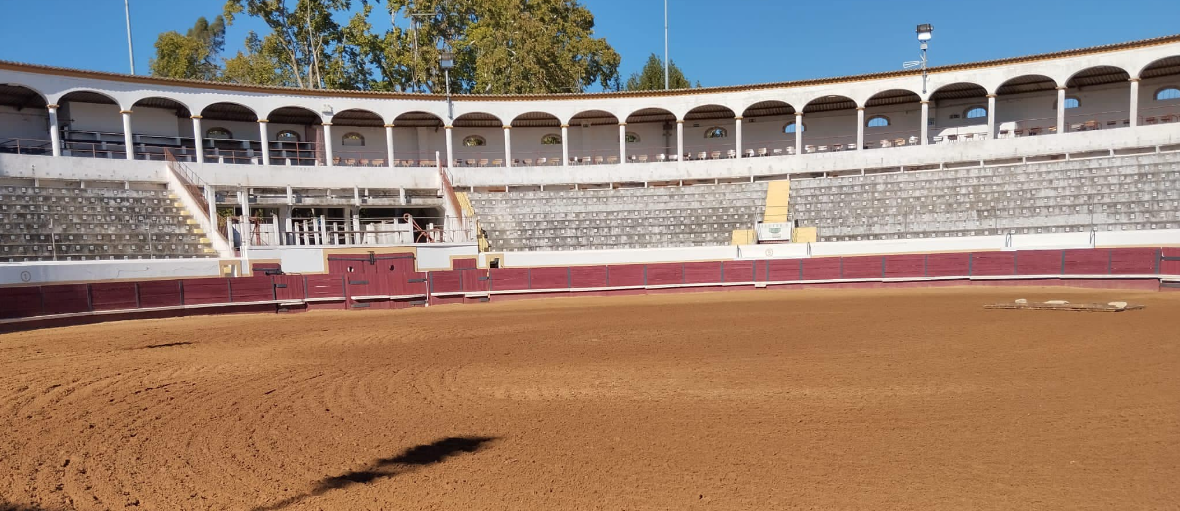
{"points": [[335, 231]]}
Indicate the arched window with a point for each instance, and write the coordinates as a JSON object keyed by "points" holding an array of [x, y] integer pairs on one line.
{"points": [[1167, 93], [1070, 102], [287, 136], [790, 128], [474, 141], [352, 139], [878, 121], [551, 139], [632, 137], [218, 134], [716, 132], [976, 112]]}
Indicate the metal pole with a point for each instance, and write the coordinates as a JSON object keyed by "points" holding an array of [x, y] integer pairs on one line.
{"points": [[923, 68], [130, 48], [665, 44], [450, 106]]}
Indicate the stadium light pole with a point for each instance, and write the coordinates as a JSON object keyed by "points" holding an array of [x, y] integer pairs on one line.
{"points": [[130, 48], [925, 32], [446, 60], [665, 44]]}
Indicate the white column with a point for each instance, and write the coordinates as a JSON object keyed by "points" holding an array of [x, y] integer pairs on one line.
{"points": [[348, 226], [507, 146], [679, 140], [798, 132], [128, 140], [1061, 110], [737, 135], [328, 144], [265, 138], [565, 146], [198, 139], [622, 142], [991, 116], [925, 123], [450, 148], [860, 128], [54, 133], [389, 145], [1134, 114]]}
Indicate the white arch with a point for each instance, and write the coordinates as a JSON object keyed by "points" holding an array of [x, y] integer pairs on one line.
{"points": [[161, 96], [57, 97], [319, 115], [1149, 64], [44, 97], [1065, 82]]}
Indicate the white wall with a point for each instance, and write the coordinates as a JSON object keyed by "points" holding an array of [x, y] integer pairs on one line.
{"points": [[47, 272], [90, 117], [27, 123]]}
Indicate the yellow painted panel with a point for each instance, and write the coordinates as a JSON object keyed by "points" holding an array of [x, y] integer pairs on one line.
{"points": [[743, 237], [804, 235], [778, 195]]}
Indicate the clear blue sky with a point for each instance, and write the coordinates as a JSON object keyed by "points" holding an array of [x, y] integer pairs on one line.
{"points": [[716, 42]]}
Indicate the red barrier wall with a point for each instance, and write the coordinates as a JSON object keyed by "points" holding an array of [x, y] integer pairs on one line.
{"points": [[393, 275], [165, 293], [587, 276], [106, 296]]}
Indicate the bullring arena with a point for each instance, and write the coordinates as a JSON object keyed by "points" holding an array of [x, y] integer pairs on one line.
{"points": [[767, 296], [823, 399]]}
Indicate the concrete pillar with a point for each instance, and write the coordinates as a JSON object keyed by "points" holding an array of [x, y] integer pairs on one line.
{"points": [[323, 234], [290, 227], [357, 237], [798, 132], [211, 202], [860, 128], [265, 138], [622, 142], [507, 146], [679, 140], [925, 123], [1134, 114], [54, 132], [1061, 110], [198, 139], [389, 145], [737, 135], [565, 146], [244, 226], [348, 224], [328, 144], [991, 116], [128, 139]]}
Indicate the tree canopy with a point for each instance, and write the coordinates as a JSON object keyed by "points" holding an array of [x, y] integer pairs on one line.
{"points": [[652, 76], [499, 46], [193, 55]]}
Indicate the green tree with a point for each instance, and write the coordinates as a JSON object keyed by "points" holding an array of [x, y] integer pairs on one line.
{"points": [[193, 55], [258, 65], [305, 43], [500, 47], [652, 76]]}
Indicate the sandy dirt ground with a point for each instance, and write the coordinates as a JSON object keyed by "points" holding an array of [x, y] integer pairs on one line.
{"points": [[819, 399]]}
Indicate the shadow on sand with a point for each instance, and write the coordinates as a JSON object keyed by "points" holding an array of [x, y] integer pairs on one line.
{"points": [[409, 460]]}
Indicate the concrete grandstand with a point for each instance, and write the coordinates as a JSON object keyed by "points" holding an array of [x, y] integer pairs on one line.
{"points": [[1070, 159]]}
